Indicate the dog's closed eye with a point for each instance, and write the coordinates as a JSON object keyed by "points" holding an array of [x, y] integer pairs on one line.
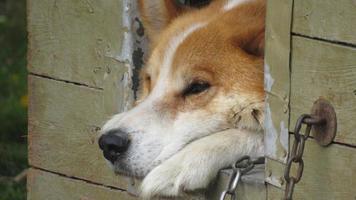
{"points": [[196, 87]]}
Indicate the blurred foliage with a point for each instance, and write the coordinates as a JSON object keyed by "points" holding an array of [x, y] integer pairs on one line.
{"points": [[13, 191], [13, 98], [13, 161], [13, 81]]}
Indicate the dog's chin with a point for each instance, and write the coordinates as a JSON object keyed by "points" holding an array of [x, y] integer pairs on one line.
{"points": [[128, 174], [122, 169]]}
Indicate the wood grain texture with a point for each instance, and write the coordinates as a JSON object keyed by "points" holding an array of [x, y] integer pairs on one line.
{"points": [[251, 186], [274, 193], [277, 80], [329, 173], [274, 173], [44, 185], [321, 69], [64, 121], [76, 41], [327, 19]]}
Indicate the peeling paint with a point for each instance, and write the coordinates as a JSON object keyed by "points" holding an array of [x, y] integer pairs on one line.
{"points": [[127, 44], [126, 48], [127, 97], [272, 174], [132, 53], [89, 6], [134, 43], [284, 138], [270, 134], [274, 181], [268, 78]]}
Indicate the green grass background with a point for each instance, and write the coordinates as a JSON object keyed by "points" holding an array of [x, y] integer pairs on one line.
{"points": [[13, 98]]}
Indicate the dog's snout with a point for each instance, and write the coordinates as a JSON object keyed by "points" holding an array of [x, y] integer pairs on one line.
{"points": [[113, 143]]}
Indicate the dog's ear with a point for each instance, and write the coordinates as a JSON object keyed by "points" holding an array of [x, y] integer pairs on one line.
{"points": [[250, 38], [157, 14], [255, 45]]}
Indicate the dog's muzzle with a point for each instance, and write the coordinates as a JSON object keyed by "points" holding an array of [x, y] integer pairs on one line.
{"points": [[114, 143]]}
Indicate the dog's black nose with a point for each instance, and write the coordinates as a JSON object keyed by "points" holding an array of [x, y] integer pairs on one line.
{"points": [[113, 143]]}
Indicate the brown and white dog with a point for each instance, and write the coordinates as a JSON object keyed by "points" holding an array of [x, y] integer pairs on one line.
{"points": [[202, 97]]}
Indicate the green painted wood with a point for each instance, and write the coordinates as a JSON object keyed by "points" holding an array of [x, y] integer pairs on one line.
{"points": [[44, 185], [318, 69], [327, 19], [251, 186], [274, 193], [329, 173], [75, 41], [277, 49], [274, 173], [321, 69], [64, 121]]}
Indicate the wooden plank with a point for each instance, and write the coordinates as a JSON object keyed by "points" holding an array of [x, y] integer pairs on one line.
{"points": [[274, 193], [251, 186], [76, 41], [44, 185], [64, 121], [329, 173], [274, 172], [321, 69], [327, 19], [277, 82]]}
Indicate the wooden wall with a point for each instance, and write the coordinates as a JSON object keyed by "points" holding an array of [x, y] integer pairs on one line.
{"points": [[311, 53], [83, 63], [80, 73]]}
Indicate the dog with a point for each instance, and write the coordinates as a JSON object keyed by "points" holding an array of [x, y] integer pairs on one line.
{"points": [[201, 102]]}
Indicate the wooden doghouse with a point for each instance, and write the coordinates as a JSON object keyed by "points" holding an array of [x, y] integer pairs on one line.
{"points": [[83, 63]]}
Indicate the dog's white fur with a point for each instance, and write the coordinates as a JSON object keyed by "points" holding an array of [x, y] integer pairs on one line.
{"points": [[185, 152], [198, 163]]}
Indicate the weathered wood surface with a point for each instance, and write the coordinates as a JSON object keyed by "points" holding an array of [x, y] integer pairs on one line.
{"points": [[278, 25], [48, 186], [251, 186], [318, 69], [274, 193], [64, 121], [329, 173], [274, 175], [327, 19], [321, 69], [75, 41]]}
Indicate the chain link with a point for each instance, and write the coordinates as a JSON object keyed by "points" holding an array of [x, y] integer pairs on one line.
{"points": [[296, 154], [242, 166]]}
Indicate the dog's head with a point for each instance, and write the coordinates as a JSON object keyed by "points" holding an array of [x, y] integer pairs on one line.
{"points": [[204, 75]]}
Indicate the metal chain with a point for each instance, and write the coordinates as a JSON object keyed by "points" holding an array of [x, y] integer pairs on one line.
{"points": [[296, 154], [242, 166]]}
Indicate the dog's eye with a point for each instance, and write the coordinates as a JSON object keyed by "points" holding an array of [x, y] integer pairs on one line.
{"points": [[196, 88]]}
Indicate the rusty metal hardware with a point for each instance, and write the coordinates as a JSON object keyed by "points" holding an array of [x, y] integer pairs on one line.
{"points": [[325, 132], [322, 123], [242, 166]]}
